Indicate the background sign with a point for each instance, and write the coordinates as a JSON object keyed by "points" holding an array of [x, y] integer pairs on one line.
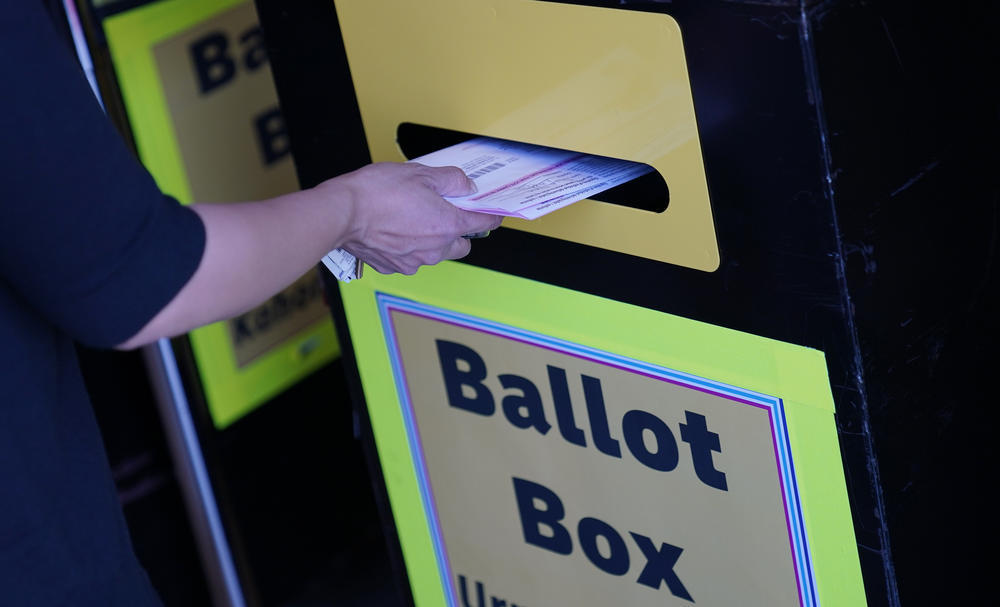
{"points": [[198, 90], [546, 447]]}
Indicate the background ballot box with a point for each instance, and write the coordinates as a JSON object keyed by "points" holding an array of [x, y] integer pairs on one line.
{"points": [[221, 491], [694, 389]]}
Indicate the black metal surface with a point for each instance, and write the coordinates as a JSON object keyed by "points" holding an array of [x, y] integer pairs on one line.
{"points": [[312, 77], [849, 152], [294, 498], [912, 120], [297, 491]]}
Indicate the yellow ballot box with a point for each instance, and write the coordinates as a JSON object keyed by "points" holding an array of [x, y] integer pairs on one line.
{"points": [[621, 402]]}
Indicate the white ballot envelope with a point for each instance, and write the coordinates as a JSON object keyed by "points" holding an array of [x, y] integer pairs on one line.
{"points": [[516, 180]]}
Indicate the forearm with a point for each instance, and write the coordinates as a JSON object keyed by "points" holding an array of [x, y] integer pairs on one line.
{"points": [[391, 215], [252, 250]]}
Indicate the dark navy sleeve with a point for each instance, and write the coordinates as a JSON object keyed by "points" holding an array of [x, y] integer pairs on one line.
{"points": [[86, 236]]}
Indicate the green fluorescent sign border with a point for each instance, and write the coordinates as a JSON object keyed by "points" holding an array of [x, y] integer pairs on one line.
{"points": [[795, 374], [230, 392]]}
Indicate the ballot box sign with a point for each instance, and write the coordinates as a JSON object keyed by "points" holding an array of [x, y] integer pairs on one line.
{"points": [[197, 87], [555, 471], [623, 444]]}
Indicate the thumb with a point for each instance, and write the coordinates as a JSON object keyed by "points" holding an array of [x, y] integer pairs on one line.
{"points": [[449, 181]]}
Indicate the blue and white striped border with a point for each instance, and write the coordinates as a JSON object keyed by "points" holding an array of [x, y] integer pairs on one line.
{"points": [[804, 574]]}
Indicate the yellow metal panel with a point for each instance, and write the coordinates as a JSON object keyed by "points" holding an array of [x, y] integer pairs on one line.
{"points": [[602, 81]]}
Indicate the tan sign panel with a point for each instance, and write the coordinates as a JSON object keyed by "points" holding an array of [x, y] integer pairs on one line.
{"points": [[559, 475]]}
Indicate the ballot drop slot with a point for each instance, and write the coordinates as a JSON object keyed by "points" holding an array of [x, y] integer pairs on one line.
{"points": [[648, 192], [600, 81]]}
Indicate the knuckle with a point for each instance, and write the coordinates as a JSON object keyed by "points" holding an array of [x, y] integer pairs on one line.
{"points": [[463, 248]]}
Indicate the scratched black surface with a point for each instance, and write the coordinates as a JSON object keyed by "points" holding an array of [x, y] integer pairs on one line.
{"points": [[912, 120], [854, 192]]}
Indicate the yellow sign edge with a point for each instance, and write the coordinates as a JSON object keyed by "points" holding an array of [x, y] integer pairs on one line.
{"points": [[796, 374]]}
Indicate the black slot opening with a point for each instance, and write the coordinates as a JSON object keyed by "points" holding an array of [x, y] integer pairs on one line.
{"points": [[648, 192]]}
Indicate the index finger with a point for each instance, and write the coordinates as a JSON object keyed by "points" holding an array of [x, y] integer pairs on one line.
{"points": [[475, 223]]}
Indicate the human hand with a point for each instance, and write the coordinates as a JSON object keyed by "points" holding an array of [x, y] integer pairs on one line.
{"points": [[399, 220]]}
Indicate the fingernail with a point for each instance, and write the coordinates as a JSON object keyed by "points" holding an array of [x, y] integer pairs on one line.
{"points": [[473, 186]]}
